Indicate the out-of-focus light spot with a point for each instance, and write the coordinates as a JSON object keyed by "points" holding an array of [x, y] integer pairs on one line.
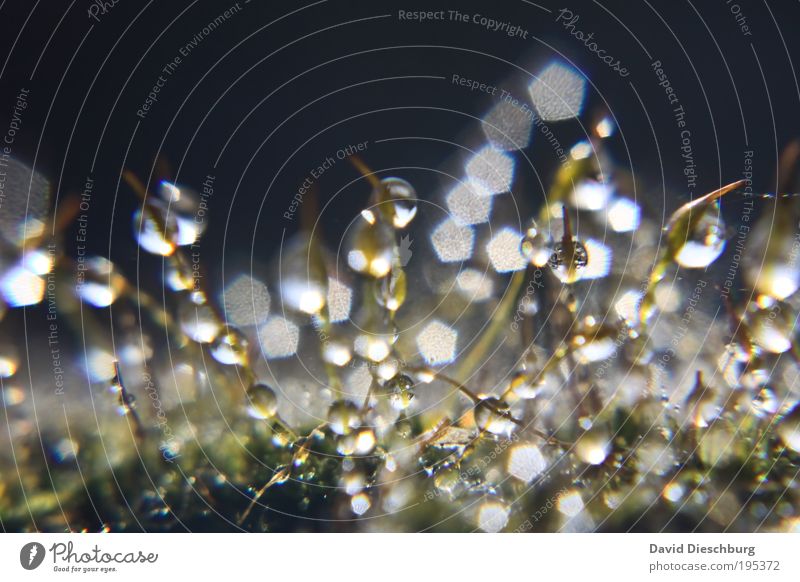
{"points": [[279, 338], [358, 381], [570, 504], [101, 285], [373, 347], [558, 93], [783, 282], [605, 128], [303, 295], [493, 169], [26, 202], [37, 262], [8, 365], [246, 301], [368, 215], [624, 215], [668, 298], [21, 287], [100, 365], [673, 492], [13, 396], [492, 516], [581, 150], [388, 369], [357, 260], [365, 441], [475, 285], [96, 294], [627, 306], [340, 299], [469, 203], [65, 450], [591, 195], [150, 235], [437, 343], [508, 126], [599, 263], [504, 251], [593, 448], [526, 462], [379, 266], [360, 504], [188, 231], [199, 323], [453, 242], [336, 354]]}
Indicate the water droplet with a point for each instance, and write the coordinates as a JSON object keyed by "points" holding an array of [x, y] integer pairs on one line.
{"points": [[593, 447], [494, 415], [568, 259], [789, 429], [535, 246], [365, 441], [400, 391], [766, 403], [343, 417], [101, 284], [772, 265], [199, 323], [772, 329], [523, 386], [391, 292], [705, 240], [230, 348], [372, 248], [262, 402], [403, 200], [150, 233]]}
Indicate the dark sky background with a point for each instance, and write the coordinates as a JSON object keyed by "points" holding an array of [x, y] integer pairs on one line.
{"points": [[286, 86]]}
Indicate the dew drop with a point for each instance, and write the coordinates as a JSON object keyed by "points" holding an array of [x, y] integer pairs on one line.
{"points": [[705, 241], [403, 200], [262, 402], [493, 415], [400, 391], [343, 417]]}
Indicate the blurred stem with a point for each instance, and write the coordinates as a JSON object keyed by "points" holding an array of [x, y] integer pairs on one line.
{"points": [[501, 317]]}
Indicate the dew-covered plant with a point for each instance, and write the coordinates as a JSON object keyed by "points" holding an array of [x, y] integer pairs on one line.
{"points": [[586, 369]]}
